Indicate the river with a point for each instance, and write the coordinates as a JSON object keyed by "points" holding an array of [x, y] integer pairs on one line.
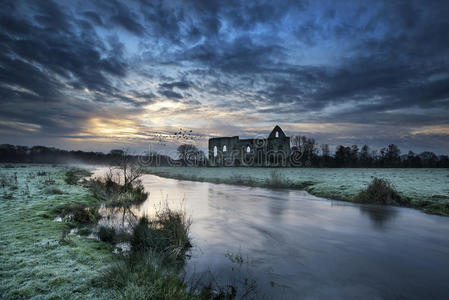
{"points": [[297, 246]]}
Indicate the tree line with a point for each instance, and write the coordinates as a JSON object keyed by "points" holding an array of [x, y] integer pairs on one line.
{"points": [[41, 154], [305, 151], [314, 155]]}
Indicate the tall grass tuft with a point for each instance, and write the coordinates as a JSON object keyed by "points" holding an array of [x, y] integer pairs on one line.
{"points": [[79, 213], [73, 176], [381, 191], [166, 234], [106, 234], [144, 276]]}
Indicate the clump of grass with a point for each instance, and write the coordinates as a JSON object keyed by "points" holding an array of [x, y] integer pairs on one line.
{"points": [[381, 191], [106, 234], [435, 207], [49, 180], [80, 213], [73, 176], [167, 234], [84, 231], [64, 236], [144, 276], [277, 180], [8, 196], [114, 194], [52, 190], [41, 173], [6, 181]]}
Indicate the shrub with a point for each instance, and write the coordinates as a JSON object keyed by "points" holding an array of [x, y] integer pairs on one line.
{"points": [[167, 234], [106, 234], [115, 195], [72, 176], [83, 214], [380, 191], [80, 213]]}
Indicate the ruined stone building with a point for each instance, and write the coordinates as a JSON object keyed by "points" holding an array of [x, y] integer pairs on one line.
{"points": [[263, 152]]}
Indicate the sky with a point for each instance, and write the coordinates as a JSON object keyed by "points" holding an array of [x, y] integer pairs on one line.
{"points": [[97, 75]]}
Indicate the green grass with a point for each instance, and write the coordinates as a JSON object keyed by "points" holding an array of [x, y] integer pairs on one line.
{"points": [[40, 259], [427, 189], [34, 263], [144, 276]]}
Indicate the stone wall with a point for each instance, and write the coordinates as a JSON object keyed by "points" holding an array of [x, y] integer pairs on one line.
{"points": [[232, 151]]}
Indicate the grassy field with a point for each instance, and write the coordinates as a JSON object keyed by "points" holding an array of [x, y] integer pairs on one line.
{"points": [[34, 262], [41, 259], [428, 189]]}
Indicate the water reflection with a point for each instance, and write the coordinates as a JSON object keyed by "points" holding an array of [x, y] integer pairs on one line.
{"points": [[380, 216]]}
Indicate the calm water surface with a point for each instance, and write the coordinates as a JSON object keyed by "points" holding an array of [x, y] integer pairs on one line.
{"points": [[297, 246]]}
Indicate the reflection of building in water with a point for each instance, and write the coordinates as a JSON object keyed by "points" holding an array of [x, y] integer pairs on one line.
{"points": [[231, 151]]}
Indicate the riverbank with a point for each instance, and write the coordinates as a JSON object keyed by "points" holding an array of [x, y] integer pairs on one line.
{"points": [[46, 255], [427, 189], [35, 259]]}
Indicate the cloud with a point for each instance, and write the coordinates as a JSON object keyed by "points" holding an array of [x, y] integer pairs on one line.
{"points": [[311, 62], [182, 85], [170, 94]]}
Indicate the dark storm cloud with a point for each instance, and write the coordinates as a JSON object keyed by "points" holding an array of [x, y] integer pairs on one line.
{"points": [[170, 94], [183, 85], [292, 61], [126, 18]]}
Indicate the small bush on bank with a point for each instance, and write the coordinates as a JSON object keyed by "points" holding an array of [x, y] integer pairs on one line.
{"points": [[73, 176], [106, 234], [381, 191], [115, 195], [80, 213], [167, 234]]}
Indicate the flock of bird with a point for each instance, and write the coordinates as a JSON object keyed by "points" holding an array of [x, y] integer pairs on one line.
{"points": [[180, 136]]}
